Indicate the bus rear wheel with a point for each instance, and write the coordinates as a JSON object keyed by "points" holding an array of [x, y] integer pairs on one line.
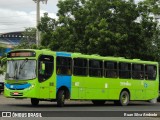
{"points": [[124, 98], [60, 98], [98, 102], [34, 101]]}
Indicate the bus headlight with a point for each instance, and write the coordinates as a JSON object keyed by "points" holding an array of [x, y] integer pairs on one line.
{"points": [[32, 86], [5, 88]]}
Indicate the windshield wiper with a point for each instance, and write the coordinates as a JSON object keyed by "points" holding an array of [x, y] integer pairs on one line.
{"points": [[13, 77], [22, 65]]}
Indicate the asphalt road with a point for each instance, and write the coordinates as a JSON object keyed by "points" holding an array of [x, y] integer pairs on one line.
{"points": [[80, 109]]}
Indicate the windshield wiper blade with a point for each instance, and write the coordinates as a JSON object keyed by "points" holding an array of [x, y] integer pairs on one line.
{"points": [[22, 65], [13, 77]]}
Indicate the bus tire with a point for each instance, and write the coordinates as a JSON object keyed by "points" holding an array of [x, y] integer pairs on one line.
{"points": [[98, 102], [60, 98], [124, 98], [153, 101], [34, 101]]}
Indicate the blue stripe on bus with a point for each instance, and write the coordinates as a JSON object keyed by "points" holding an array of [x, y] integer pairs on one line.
{"points": [[7, 50], [65, 54], [63, 81], [17, 86]]}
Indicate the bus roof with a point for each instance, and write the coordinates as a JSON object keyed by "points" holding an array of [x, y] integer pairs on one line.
{"points": [[93, 56]]}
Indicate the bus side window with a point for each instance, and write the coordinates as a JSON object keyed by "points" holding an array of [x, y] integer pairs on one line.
{"points": [[124, 70], [150, 72], [138, 71], [63, 66], [58, 70], [110, 69], [95, 68], [80, 67]]}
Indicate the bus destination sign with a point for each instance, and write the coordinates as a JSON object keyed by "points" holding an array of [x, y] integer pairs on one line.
{"points": [[21, 54]]}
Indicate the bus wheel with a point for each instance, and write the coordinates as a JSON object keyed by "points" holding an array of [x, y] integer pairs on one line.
{"points": [[124, 98], [60, 98], [98, 102], [34, 101]]}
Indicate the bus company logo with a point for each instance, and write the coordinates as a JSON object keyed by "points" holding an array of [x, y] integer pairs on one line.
{"points": [[6, 114], [125, 83], [145, 85]]}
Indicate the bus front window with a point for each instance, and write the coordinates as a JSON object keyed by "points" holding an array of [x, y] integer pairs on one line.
{"points": [[21, 69]]}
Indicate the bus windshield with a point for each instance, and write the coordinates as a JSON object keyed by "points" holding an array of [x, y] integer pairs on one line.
{"points": [[21, 69]]}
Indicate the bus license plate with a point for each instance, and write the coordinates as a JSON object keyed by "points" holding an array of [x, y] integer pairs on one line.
{"points": [[15, 93]]}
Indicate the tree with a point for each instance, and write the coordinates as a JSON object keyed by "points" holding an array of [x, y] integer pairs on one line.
{"points": [[28, 40], [154, 6], [114, 28], [3, 64], [47, 27]]}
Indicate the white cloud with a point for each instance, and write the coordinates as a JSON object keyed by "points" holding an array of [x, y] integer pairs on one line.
{"points": [[14, 20], [27, 5], [138, 1], [17, 4], [20, 14], [52, 15], [18, 20]]}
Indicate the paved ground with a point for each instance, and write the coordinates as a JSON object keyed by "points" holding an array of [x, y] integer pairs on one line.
{"points": [[85, 110]]}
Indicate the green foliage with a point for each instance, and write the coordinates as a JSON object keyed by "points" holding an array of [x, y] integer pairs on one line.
{"points": [[154, 6], [29, 39], [3, 65], [1, 71], [104, 27], [46, 27]]}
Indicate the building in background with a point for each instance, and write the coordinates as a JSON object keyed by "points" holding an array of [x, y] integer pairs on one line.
{"points": [[8, 41]]}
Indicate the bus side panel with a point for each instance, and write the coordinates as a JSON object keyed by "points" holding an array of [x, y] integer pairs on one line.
{"points": [[78, 87], [139, 91], [97, 88], [63, 81], [151, 89]]}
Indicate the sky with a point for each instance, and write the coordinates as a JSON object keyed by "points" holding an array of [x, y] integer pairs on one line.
{"points": [[16, 15]]}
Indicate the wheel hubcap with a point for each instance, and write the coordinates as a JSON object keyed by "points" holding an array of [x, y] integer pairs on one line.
{"points": [[124, 99], [63, 97]]}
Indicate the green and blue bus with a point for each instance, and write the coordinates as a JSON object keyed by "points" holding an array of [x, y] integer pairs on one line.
{"points": [[44, 75]]}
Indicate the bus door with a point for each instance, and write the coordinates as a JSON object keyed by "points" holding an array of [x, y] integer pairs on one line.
{"points": [[45, 71], [63, 71]]}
